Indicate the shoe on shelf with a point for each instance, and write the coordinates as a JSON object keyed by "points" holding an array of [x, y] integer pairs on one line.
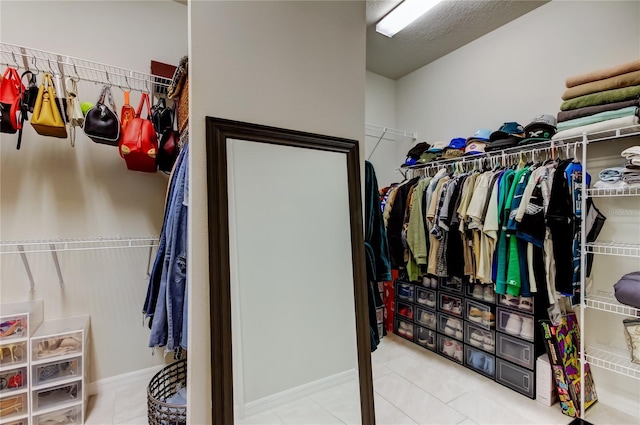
{"points": [[457, 308], [423, 335], [476, 360], [488, 294], [404, 291], [488, 365], [488, 343], [431, 340], [488, 318], [510, 300], [434, 282], [422, 298], [426, 281], [425, 317], [527, 328], [459, 333], [406, 329], [447, 303], [477, 291], [448, 348], [475, 314], [476, 339], [451, 327], [431, 300], [514, 325], [526, 303], [458, 352]]}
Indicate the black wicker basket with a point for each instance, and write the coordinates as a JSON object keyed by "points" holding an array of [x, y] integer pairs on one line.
{"points": [[163, 385]]}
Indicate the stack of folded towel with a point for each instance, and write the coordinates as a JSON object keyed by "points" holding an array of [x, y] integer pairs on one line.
{"points": [[600, 100], [622, 177]]}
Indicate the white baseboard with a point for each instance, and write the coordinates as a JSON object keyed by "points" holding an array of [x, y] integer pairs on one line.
{"points": [[292, 394], [112, 382], [616, 400]]}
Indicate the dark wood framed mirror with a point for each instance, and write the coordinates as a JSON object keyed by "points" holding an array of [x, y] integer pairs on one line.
{"points": [[253, 145]]}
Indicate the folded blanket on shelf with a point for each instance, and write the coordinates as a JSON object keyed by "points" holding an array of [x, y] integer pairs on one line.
{"points": [[601, 74], [612, 174], [631, 176], [592, 110], [611, 185], [617, 82], [608, 96], [627, 121], [602, 116], [630, 152]]}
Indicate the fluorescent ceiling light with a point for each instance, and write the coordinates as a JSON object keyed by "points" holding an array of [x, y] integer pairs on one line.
{"points": [[407, 12]]}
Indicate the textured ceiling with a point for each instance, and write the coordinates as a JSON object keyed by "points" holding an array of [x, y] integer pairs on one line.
{"points": [[448, 26]]}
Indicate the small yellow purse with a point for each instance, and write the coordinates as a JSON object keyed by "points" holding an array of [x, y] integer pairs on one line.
{"points": [[46, 118]]}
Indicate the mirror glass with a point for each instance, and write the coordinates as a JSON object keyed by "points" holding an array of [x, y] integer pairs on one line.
{"points": [[293, 321]]}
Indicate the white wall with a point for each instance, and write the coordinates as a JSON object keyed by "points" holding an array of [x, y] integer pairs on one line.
{"points": [[515, 73], [297, 65], [49, 190]]}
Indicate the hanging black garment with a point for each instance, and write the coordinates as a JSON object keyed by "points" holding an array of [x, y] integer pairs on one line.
{"points": [[394, 224]]}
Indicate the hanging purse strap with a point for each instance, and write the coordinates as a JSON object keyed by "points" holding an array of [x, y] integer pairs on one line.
{"points": [[106, 92], [144, 99], [73, 93]]}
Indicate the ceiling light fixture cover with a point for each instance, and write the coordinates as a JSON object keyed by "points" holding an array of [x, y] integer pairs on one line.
{"points": [[403, 15]]}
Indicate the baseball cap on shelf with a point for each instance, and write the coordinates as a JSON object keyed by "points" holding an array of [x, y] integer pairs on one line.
{"points": [[542, 128], [476, 147], [450, 153], [438, 146], [508, 130], [458, 143], [482, 134], [427, 157], [418, 150], [504, 143]]}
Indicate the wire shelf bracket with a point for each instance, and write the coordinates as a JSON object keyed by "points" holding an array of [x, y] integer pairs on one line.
{"points": [[387, 133]]}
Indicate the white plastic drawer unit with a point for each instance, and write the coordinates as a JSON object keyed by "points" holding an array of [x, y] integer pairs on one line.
{"points": [[451, 326], [515, 377], [426, 318], [515, 350], [479, 361], [23, 421], [66, 416], [405, 291], [426, 297], [56, 346], [479, 338], [13, 405], [13, 353], [13, 379], [59, 395], [55, 371], [13, 327], [517, 324], [450, 304]]}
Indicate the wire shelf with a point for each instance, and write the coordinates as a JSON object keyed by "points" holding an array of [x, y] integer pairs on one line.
{"points": [[614, 248], [624, 191], [39, 60], [607, 302], [59, 245], [613, 359], [604, 135]]}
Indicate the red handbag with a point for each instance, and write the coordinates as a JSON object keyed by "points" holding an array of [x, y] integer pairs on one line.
{"points": [[11, 91], [139, 143]]}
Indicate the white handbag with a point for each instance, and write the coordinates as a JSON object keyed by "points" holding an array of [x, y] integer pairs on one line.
{"points": [[76, 118]]}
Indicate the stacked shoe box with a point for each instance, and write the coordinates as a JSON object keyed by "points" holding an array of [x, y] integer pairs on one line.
{"points": [[405, 310], [479, 329], [450, 321], [426, 317], [517, 344]]}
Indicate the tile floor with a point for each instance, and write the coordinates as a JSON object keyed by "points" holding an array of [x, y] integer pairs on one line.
{"points": [[412, 386]]}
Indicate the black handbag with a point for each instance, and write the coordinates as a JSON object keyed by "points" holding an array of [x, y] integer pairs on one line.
{"points": [[161, 116], [101, 123], [31, 91], [168, 146]]}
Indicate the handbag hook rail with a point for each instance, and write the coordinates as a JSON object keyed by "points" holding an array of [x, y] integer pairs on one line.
{"points": [[81, 69]]}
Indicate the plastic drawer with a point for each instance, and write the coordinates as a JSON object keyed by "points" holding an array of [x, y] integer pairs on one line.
{"points": [[451, 326], [47, 373], [426, 297], [426, 338], [13, 327], [46, 398], [523, 304], [13, 405], [515, 350], [516, 324], [404, 329], [405, 291], [404, 310], [479, 361], [13, 379], [515, 377], [451, 285], [23, 421], [450, 348], [12, 353], [56, 346], [450, 304], [66, 416], [479, 338], [426, 318], [483, 293], [480, 314]]}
